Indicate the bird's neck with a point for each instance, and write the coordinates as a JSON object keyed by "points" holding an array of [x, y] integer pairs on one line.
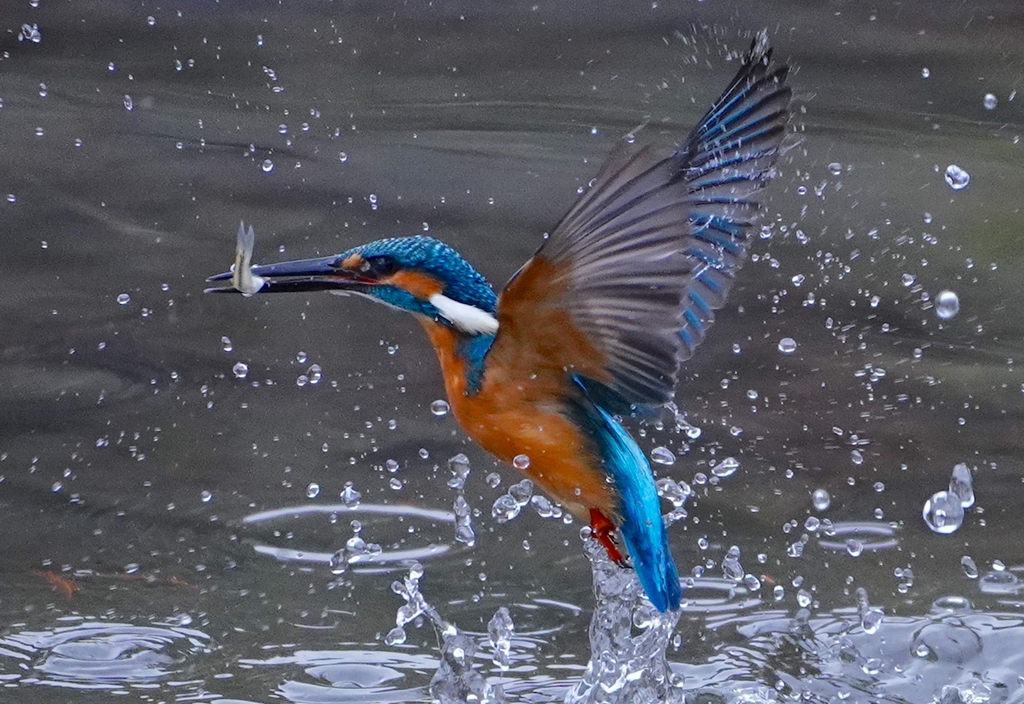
{"points": [[461, 356]]}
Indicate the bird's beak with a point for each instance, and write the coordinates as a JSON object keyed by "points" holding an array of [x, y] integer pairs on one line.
{"points": [[322, 274]]}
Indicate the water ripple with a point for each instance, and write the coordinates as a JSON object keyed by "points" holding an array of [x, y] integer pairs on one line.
{"points": [[100, 655]]}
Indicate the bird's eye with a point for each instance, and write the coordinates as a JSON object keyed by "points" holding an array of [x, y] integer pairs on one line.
{"points": [[378, 267]]}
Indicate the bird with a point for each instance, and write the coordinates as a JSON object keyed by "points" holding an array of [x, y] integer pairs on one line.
{"points": [[593, 329]]}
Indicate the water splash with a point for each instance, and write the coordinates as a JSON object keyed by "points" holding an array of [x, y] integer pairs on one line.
{"points": [[623, 668], [456, 681], [464, 533]]}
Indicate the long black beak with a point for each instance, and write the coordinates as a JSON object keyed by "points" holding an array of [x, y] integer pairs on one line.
{"points": [[301, 275]]}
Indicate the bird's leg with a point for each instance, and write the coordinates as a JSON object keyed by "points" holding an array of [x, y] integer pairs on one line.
{"points": [[604, 532]]}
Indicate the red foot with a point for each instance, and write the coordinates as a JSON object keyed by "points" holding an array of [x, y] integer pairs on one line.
{"points": [[604, 531]]}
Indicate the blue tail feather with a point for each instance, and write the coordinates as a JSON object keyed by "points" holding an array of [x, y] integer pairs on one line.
{"points": [[642, 528]]}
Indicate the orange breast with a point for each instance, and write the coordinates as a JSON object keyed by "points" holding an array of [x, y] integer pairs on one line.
{"points": [[511, 417]]}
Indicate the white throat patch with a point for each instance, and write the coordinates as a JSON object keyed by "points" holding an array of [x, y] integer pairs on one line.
{"points": [[466, 318]]}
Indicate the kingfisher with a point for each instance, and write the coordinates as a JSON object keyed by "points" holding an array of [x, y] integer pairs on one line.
{"points": [[594, 327]]}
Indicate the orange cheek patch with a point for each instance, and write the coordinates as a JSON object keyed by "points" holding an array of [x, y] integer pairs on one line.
{"points": [[418, 283]]}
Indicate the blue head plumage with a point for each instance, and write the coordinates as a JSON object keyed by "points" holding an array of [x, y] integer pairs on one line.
{"points": [[460, 281]]}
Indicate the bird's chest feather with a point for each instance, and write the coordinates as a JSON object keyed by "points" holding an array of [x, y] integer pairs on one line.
{"points": [[512, 417]]}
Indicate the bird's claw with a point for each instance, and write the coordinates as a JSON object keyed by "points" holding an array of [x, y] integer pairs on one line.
{"points": [[604, 532]]}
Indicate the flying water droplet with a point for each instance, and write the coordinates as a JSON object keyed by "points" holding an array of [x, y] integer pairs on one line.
{"points": [[663, 455], [961, 485], [225, 344], [956, 177], [459, 467], [990, 101], [267, 166], [726, 468], [521, 462], [969, 567], [787, 345], [349, 496], [240, 370], [504, 509], [943, 512], [521, 492], [947, 305], [731, 567], [313, 490], [500, 630], [123, 299], [439, 407]]}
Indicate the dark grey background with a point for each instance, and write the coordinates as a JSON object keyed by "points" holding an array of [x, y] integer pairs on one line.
{"points": [[478, 122]]}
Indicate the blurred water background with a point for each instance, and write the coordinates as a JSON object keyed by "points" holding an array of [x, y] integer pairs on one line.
{"points": [[177, 470]]}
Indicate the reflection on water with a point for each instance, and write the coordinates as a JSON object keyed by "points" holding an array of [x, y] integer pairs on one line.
{"points": [[172, 527]]}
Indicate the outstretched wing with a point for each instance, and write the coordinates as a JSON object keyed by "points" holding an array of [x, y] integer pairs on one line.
{"points": [[626, 285]]}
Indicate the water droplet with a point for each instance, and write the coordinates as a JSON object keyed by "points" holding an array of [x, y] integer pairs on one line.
{"points": [[129, 104], [500, 630], [123, 299], [947, 305], [820, 499], [970, 569], [663, 455], [504, 509], [787, 345], [521, 492], [439, 407], [30, 32], [493, 480], [226, 344], [990, 101], [835, 168], [151, 21], [908, 280], [544, 507], [313, 490], [925, 72], [521, 462], [315, 374], [854, 547], [206, 497], [342, 157], [943, 512], [871, 620], [240, 370], [349, 496], [956, 177], [726, 468], [961, 485], [267, 166]]}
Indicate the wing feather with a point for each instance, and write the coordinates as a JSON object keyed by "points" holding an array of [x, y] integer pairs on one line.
{"points": [[626, 286]]}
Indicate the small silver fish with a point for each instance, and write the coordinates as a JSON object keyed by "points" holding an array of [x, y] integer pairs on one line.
{"points": [[241, 271]]}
